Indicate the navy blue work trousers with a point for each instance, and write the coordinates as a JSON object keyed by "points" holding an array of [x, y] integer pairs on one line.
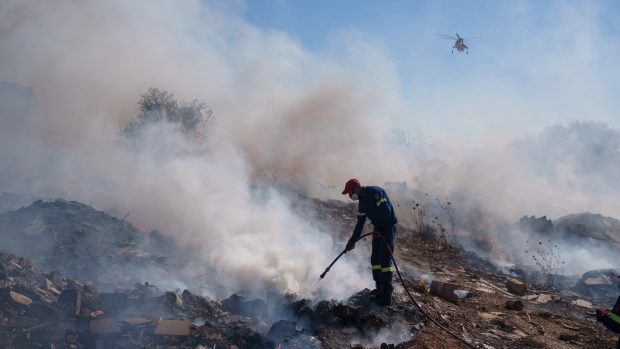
{"points": [[380, 260]]}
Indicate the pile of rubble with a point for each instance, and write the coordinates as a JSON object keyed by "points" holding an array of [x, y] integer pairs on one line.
{"points": [[486, 306], [81, 242], [47, 310], [590, 228], [50, 311]]}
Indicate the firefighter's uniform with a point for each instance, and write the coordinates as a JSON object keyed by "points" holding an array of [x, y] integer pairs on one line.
{"points": [[375, 205]]}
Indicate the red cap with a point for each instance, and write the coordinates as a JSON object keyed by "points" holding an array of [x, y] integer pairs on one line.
{"points": [[351, 184]]}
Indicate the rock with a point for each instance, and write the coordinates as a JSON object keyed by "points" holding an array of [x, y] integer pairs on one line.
{"points": [[503, 325], [517, 287], [514, 305]]}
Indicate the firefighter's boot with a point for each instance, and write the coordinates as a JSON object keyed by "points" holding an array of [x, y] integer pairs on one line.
{"points": [[375, 295], [385, 298]]}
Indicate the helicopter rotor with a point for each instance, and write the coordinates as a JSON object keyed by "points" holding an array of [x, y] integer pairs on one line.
{"points": [[444, 36]]}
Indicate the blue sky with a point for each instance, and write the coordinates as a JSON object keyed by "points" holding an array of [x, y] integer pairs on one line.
{"points": [[536, 62]]}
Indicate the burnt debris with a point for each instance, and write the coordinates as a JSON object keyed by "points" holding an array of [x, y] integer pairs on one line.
{"points": [[65, 313]]}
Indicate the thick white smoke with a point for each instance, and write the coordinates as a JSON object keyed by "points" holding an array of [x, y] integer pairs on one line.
{"points": [[281, 113]]}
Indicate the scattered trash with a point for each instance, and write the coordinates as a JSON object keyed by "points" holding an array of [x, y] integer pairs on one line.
{"points": [[539, 298], [582, 303], [445, 290], [461, 293], [20, 298]]}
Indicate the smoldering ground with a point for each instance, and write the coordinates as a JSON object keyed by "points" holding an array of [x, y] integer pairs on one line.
{"points": [[281, 113]]}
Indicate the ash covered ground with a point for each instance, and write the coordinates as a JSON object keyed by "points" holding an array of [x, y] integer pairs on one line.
{"points": [[71, 278]]}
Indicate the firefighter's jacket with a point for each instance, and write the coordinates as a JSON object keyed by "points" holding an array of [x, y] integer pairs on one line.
{"points": [[374, 204]]}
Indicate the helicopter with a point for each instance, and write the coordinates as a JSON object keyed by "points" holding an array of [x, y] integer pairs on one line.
{"points": [[459, 43]]}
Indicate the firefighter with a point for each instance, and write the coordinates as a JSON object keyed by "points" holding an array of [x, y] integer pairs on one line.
{"points": [[375, 204], [611, 318]]}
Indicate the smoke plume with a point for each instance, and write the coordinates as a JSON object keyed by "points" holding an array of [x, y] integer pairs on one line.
{"points": [[74, 71]]}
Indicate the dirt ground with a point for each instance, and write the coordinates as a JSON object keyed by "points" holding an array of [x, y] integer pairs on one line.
{"points": [[547, 320]]}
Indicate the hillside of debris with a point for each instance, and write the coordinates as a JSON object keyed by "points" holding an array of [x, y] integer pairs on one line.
{"points": [[82, 242], [589, 226], [492, 310], [13, 201], [57, 297], [582, 228]]}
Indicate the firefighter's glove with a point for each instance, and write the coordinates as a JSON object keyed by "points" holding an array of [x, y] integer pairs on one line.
{"points": [[350, 244], [601, 314]]}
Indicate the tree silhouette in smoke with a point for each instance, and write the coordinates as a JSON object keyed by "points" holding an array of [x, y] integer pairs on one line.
{"points": [[158, 106]]}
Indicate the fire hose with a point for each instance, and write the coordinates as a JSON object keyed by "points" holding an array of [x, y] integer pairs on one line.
{"points": [[402, 281]]}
